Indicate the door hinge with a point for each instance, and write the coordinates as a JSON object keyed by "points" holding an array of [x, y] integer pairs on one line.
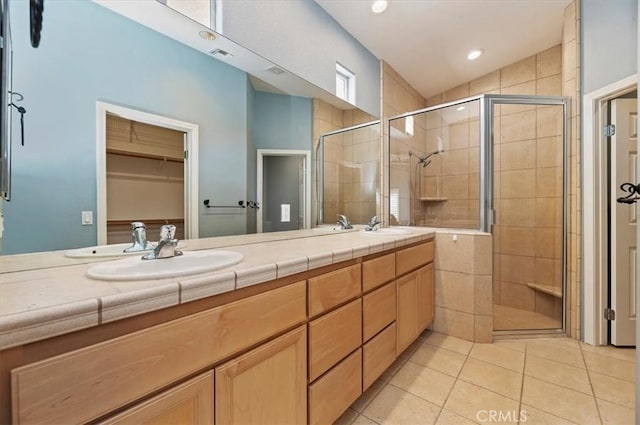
{"points": [[609, 314], [186, 154], [609, 130]]}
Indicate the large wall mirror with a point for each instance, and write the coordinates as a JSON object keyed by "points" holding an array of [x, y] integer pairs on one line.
{"points": [[160, 95]]}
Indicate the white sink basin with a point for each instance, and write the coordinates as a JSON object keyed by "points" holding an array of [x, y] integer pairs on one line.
{"points": [[191, 262], [115, 250], [386, 231], [329, 229]]}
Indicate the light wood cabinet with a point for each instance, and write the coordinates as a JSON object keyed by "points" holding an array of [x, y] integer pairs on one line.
{"points": [[426, 297], [332, 289], [411, 258], [333, 336], [267, 385], [407, 311], [332, 394], [378, 271], [377, 355], [378, 310], [188, 403]]}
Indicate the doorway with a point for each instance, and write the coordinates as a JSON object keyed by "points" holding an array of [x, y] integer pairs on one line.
{"points": [[147, 170], [609, 271], [283, 190]]}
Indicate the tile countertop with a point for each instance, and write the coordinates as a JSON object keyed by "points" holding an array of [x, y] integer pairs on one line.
{"points": [[39, 303]]}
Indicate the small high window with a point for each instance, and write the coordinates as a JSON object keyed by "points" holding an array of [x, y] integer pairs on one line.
{"points": [[345, 84]]}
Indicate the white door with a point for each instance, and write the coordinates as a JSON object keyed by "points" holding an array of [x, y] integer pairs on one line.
{"points": [[624, 152]]}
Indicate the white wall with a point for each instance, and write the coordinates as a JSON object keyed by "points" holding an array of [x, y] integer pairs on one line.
{"points": [[301, 37]]}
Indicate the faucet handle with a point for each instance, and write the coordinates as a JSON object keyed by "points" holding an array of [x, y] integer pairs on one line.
{"points": [[167, 231], [137, 225]]}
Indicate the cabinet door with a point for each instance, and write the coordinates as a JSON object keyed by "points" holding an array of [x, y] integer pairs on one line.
{"points": [[267, 385], [425, 297], [407, 311], [189, 403]]}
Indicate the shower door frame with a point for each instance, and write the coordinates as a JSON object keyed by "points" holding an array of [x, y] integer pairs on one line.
{"points": [[487, 144], [487, 210]]}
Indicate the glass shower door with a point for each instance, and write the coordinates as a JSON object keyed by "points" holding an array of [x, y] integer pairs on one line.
{"points": [[529, 202]]}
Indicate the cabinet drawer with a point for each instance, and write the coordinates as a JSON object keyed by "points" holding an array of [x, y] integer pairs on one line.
{"points": [[332, 289], [189, 403], [411, 258], [332, 394], [378, 271], [377, 355], [333, 336], [90, 382], [378, 310]]}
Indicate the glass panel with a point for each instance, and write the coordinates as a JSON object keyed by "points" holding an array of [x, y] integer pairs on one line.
{"points": [[435, 166], [528, 232], [350, 175]]}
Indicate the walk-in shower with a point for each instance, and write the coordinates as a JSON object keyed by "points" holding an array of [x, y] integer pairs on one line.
{"points": [[495, 163]]}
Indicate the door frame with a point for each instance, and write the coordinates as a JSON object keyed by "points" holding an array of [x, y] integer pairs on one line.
{"points": [[190, 164], [595, 267], [306, 154]]}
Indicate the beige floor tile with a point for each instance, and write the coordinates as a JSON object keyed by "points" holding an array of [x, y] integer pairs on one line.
{"points": [[472, 402], [561, 374], [449, 342], [538, 417], [513, 345], [614, 414], [617, 368], [361, 403], [449, 418], [499, 356], [395, 406], [556, 351], [628, 354], [439, 359], [347, 417], [412, 348], [393, 369], [495, 378], [426, 383], [613, 389], [363, 420], [562, 402]]}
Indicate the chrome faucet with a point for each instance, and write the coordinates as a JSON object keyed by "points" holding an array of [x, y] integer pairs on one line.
{"points": [[371, 226], [139, 235], [343, 221], [167, 244]]}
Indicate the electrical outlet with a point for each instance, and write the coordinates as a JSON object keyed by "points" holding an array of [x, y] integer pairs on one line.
{"points": [[285, 213], [87, 218]]}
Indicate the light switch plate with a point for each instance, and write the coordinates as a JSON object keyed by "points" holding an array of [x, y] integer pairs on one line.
{"points": [[87, 218], [285, 213]]}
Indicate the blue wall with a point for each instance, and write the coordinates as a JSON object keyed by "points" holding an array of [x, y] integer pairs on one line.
{"points": [[89, 53], [609, 42], [282, 122]]}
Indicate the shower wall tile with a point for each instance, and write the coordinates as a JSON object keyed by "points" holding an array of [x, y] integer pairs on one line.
{"points": [[518, 184], [517, 269], [549, 62], [518, 241], [523, 88], [518, 155], [518, 126], [517, 296], [489, 83], [517, 212], [549, 86], [519, 72]]}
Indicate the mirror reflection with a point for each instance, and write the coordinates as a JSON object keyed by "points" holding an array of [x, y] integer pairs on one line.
{"points": [[90, 55]]}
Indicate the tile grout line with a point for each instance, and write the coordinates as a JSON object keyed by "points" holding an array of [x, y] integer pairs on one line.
{"points": [[593, 392], [524, 368], [444, 403]]}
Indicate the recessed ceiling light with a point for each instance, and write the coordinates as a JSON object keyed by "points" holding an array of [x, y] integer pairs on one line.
{"points": [[460, 108], [475, 54], [207, 35], [379, 6]]}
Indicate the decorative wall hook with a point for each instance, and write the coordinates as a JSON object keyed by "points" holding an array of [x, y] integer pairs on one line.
{"points": [[634, 193]]}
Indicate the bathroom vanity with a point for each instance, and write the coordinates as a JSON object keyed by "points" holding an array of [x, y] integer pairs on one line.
{"points": [[298, 346]]}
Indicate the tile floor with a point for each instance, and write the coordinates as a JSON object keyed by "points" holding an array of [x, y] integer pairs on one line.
{"points": [[445, 380]]}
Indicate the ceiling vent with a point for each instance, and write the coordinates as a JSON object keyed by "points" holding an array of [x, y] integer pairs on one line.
{"points": [[221, 53], [275, 70]]}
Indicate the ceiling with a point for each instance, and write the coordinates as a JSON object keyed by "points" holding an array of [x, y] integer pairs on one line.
{"points": [[427, 41]]}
